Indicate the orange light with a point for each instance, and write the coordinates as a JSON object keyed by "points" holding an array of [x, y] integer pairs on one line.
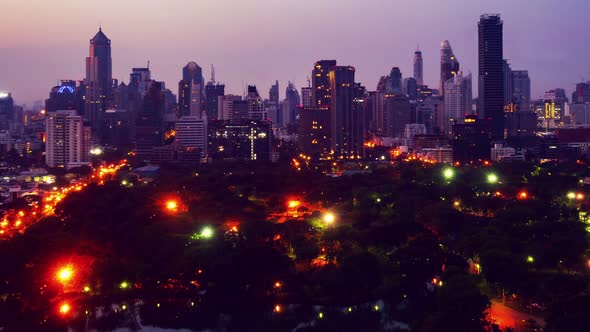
{"points": [[523, 195], [65, 274], [278, 308], [171, 205], [278, 284], [234, 229], [579, 196], [293, 204], [64, 308]]}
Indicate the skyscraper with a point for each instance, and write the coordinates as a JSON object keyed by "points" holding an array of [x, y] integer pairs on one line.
{"points": [[68, 140], [6, 111], [149, 131], [508, 92], [418, 67], [273, 93], [395, 81], [410, 88], [521, 89], [190, 90], [306, 97], [213, 90], [98, 78], [458, 100], [256, 110], [346, 122], [292, 102], [491, 74], [449, 65]]}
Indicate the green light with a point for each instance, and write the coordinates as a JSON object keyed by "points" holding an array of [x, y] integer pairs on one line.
{"points": [[448, 173], [321, 315], [571, 195], [124, 285], [530, 259], [492, 178], [376, 307]]}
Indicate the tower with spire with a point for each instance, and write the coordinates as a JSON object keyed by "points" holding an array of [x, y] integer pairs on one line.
{"points": [[99, 79], [449, 65]]}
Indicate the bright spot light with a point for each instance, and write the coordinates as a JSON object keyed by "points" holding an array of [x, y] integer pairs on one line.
{"points": [[530, 259], [329, 218], [124, 285], [207, 232], [321, 315], [96, 151], [492, 178], [278, 284], [64, 308], [376, 307], [448, 173], [86, 289], [579, 196], [277, 308], [171, 205], [294, 204], [124, 307], [65, 273], [523, 195], [571, 195]]}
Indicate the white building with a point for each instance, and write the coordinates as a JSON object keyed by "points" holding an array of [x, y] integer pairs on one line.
{"points": [[499, 152], [68, 140], [458, 100], [413, 129], [191, 133], [225, 106]]}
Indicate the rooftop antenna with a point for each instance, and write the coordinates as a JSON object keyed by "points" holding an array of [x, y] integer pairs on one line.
{"points": [[148, 67], [308, 82], [212, 73], [243, 89]]}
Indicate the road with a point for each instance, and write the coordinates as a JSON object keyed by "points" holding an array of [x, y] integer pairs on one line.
{"points": [[505, 316]]}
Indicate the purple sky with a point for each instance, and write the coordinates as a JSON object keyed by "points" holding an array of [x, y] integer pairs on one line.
{"points": [[259, 41]]}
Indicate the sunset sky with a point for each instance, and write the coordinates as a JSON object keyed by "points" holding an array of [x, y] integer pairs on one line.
{"points": [[260, 41]]}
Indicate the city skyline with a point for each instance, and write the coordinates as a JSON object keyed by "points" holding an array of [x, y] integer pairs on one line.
{"points": [[49, 50]]}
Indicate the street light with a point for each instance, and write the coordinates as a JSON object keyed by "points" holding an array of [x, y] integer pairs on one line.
{"points": [[448, 173], [492, 178], [329, 218], [530, 259], [207, 232], [65, 274]]}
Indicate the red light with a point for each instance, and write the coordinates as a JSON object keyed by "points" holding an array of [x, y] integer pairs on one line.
{"points": [[579, 196], [64, 309], [523, 195]]}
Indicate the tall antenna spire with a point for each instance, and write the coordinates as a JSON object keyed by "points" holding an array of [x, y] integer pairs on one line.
{"points": [[148, 65], [212, 73]]}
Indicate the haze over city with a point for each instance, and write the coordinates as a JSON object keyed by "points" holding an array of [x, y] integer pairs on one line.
{"points": [[260, 41]]}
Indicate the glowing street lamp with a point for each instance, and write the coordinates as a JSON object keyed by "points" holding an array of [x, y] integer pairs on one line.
{"points": [[448, 173], [124, 285], [207, 232], [530, 259], [492, 178], [64, 308], [571, 195], [171, 205], [294, 204], [523, 195]]}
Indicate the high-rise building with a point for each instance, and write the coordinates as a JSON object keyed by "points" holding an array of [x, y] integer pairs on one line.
{"points": [[67, 140], [458, 100], [306, 97], [191, 133], [64, 97], [508, 91], [347, 139], [491, 74], [410, 88], [449, 65], [273, 93], [213, 90], [256, 110], [290, 105], [190, 91], [226, 109], [397, 113], [418, 67], [99, 79], [521, 89], [395, 81], [149, 129], [7, 114], [140, 80], [582, 93]]}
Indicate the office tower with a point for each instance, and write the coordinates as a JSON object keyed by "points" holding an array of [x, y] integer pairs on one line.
{"points": [[491, 74], [63, 97], [140, 80], [410, 88], [458, 100], [191, 134], [6, 111], [508, 92], [359, 109], [449, 65], [378, 124], [582, 93], [521, 89], [559, 98], [397, 113], [256, 110], [226, 110], [213, 91], [306, 97], [190, 91], [430, 112], [149, 130], [471, 141], [345, 141], [418, 67], [321, 96], [245, 140], [395, 81], [98, 78], [273, 94], [291, 104], [67, 140]]}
